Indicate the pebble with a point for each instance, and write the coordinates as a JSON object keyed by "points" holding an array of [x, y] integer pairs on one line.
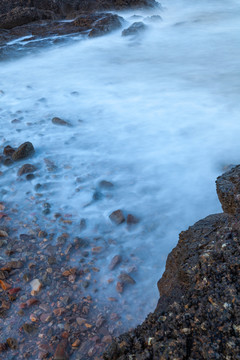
{"points": [[58, 121], [36, 286], [115, 261], [117, 217], [3, 233]]}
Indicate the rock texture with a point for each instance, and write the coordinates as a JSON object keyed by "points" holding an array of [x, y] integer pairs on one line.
{"points": [[197, 316]]}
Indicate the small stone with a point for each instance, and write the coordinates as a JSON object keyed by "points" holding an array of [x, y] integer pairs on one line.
{"points": [[58, 121], [115, 261], [29, 328], [119, 287], [14, 291], [46, 317], [12, 343], [132, 220], [42, 234], [117, 217], [36, 286], [126, 279], [23, 151], [107, 339], [8, 150], [76, 343], [61, 351], [26, 169], [105, 184], [3, 233]]}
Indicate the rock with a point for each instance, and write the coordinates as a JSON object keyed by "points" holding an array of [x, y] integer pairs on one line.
{"points": [[199, 292], [29, 328], [105, 184], [36, 286], [23, 151], [8, 150], [117, 217], [132, 220], [3, 233], [126, 278], [135, 29], [61, 351], [76, 343], [115, 261], [26, 168], [106, 24], [228, 190], [12, 343], [119, 287], [58, 121], [23, 15]]}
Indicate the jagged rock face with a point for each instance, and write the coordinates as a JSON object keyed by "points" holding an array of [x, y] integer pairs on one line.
{"points": [[228, 190], [198, 313]]}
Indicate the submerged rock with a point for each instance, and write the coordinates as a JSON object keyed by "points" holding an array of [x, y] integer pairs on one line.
{"points": [[106, 24], [23, 151], [117, 217], [58, 121], [134, 29], [26, 168]]}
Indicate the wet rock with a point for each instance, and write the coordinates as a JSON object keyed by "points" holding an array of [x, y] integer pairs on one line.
{"points": [[119, 287], [228, 190], [7, 161], [23, 15], [61, 352], [115, 261], [23, 151], [29, 328], [26, 168], [135, 29], [3, 233], [12, 343], [126, 279], [8, 150], [58, 121], [117, 217], [106, 24], [36, 286], [104, 184], [83, 224], [132, 220], [3, 347]]}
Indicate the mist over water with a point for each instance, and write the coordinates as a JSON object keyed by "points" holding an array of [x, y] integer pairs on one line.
{"points": [[157, 115]]}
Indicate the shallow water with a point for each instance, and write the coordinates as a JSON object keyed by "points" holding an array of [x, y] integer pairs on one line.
{"points": [[157, 115]]}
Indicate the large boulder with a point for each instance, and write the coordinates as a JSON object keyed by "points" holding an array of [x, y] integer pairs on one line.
{"points": [[106, 24]]}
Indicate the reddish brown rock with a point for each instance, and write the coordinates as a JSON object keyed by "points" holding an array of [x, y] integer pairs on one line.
{"points": [[61, 352], [26, 169], [117, 217]]}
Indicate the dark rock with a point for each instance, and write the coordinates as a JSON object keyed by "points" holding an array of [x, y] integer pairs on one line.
{"points": [[132, 220], [23, 15], [106, 184], [8, 150], [12, 343], [117, 217], [26, 168], [7, 161], [126, 279], [135, 29], [115, 261], [30, 177], [107, 24], [61, 352], [58, 121], [23, 151], [228, 190]]}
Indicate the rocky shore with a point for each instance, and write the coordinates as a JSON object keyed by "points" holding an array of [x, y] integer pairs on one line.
{"points": [[39, 19], [197, 316]]}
